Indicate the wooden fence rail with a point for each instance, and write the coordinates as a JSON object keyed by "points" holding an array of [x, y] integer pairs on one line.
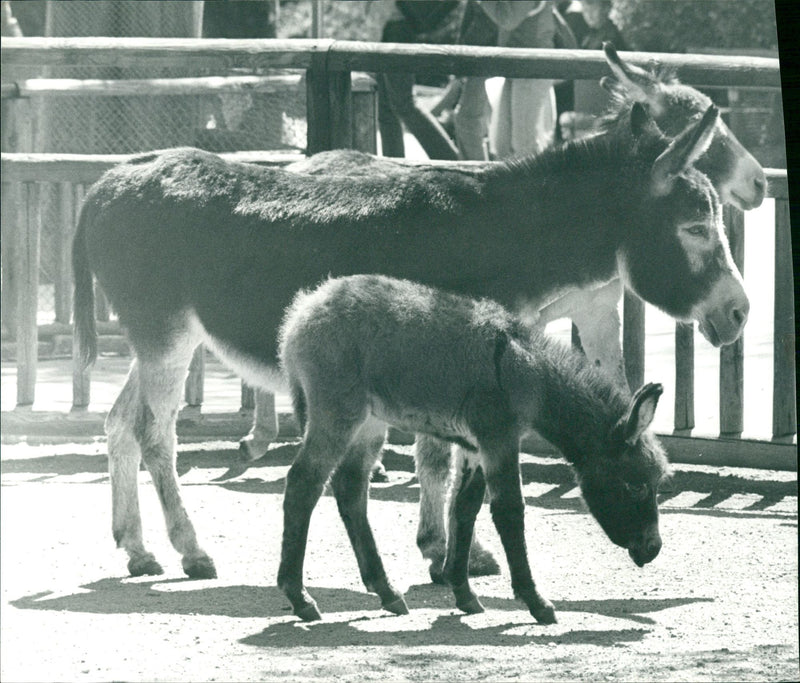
{"points": [[330, 125]]}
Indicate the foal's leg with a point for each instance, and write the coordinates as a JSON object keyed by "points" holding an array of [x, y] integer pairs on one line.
{"points": [[124, 457], [469, 486], [323, 447], [350, 485], [508, 514], [264, 430], [432, 458], [161, 388]]}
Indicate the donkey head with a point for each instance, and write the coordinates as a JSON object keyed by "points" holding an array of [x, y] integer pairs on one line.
{"points": [[675, 253], [735, 173], [621, 486]]}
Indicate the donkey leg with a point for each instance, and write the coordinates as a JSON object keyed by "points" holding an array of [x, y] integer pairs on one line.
{"points": [[432, 458], [508, 514], [161, 388], [264, 430], [350, 485], [322, 448], [124, 457], [469, 487]]}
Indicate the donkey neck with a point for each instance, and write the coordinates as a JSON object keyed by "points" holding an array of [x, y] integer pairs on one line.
{"points": [[559, 394], [572, 204]]}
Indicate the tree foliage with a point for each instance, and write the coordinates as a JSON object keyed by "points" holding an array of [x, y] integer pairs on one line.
{"points": [[679, 25]]}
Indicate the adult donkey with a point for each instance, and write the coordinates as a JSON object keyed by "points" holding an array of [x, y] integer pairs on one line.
{"points": [[592, 306], [190, 248]]}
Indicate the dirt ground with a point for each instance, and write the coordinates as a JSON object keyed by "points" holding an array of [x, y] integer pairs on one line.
{"points": [[720, 603]]}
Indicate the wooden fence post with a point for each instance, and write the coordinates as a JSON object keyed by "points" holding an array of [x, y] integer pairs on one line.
{"points": [[81, 377], [63, 270], [633, 339], [784, 393], [193, 388], [731, 356], [29, 224], [684, 376], [329, 104]]}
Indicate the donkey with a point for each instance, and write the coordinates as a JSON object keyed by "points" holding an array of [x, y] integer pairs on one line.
{"points": [[366, 351], [593, 307], [190, 248]]}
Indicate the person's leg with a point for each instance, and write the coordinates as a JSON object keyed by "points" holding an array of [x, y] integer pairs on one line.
{"points": [[533, 115], [500, 124], [433, 138], [391, 129], [470, 119]]}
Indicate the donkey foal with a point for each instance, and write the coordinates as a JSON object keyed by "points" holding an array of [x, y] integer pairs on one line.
{"points": [[367, 351]]}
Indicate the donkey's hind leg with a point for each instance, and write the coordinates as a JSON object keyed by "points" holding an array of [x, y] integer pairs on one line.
{"points": [[324, 445], [124, 457], [161, 384], [264, 430], [350, 485], [433, 471]]}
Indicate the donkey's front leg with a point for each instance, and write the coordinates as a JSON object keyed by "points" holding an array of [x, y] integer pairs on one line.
{"points": [[508, 514], [264, 430], [432, 458], [468, 489], [161, 386]]}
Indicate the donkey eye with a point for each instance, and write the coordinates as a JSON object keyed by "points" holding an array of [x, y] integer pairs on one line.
{"points": [[697, 230], [637, 491]]}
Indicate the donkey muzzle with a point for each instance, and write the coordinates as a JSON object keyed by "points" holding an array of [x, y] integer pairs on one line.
{"points": [[646, 548]]}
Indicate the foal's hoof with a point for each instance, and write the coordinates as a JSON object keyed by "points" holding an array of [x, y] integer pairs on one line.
{"points": [[544, 613], [467, 601], [145, 565], [308, 612], [397, 606], [199, 567], [481, 561]]}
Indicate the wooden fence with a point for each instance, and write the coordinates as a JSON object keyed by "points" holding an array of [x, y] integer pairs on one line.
{"points": [[331, 115]]}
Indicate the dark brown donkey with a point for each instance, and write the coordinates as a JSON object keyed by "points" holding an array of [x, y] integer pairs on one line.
{"points": [[190, 248]]}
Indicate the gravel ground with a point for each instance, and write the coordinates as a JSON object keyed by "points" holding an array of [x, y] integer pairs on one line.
{"points": [[720, 603]]}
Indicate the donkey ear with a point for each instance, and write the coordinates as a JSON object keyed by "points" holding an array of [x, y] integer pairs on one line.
{"points": [[641, 411], [682, 152], [640, 85], [642, 122]]}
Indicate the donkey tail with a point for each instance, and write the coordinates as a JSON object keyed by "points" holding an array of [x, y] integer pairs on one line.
{"points": [[85, 329]]}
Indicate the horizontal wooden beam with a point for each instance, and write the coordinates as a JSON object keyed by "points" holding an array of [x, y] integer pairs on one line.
{"points": [[698, 450], [462, 60], [87, 168]]}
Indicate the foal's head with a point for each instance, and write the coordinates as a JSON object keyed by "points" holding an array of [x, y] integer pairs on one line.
{"points": [[735, 173], [674, 252], [620, 485]]}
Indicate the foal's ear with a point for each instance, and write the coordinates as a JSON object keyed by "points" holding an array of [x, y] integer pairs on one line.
{"points": [[641, 411], [640, 85], [682, 152]]}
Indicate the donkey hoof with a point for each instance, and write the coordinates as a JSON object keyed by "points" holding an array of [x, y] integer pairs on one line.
{"points": [[471, 606], [144, 566], [200, 568], [466, 600], [308, 612], [544, 613], [378, 474], [436, 571], [246, 452], [396, 606], [481, 561]]}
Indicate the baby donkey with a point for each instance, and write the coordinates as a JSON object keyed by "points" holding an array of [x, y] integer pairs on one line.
{"points": [[367, 351]]}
